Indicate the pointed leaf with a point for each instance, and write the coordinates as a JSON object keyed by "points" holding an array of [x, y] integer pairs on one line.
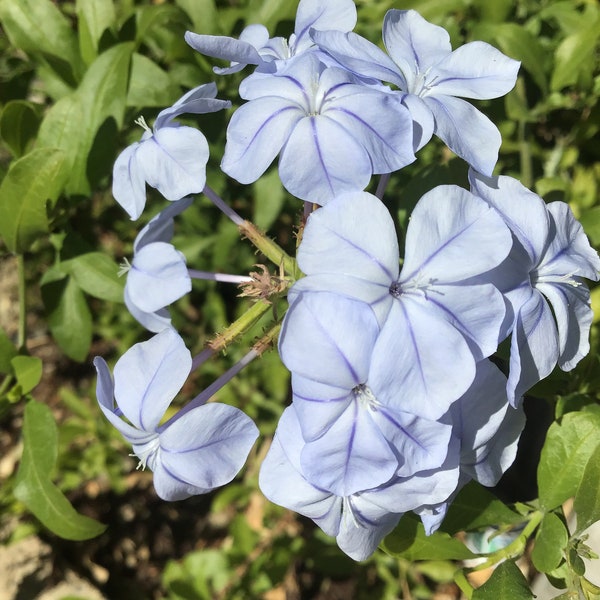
{"points": [[506, 582], [95, 17], [476, 507], [28, 371], [18, 125], [409, 541], [33, 485], [69, 317], [566, 452], [97, 275], [38, 27], [30, 182], [550, 543], [587, 499]]}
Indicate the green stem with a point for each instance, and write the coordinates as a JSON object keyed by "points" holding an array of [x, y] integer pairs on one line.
{"points": [[240, 326], [524, 149], [273, 251], [22, 326], [463, 583], [516, 547]]}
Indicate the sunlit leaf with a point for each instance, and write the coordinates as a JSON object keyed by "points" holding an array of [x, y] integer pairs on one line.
{"points": [[568, 447], [507, 582], [587, 498], [33, 484], [550, 543], [30, 182]]}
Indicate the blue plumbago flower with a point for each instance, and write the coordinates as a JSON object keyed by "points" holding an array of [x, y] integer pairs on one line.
{"points": [[487, 429], [254, 47], [194, 453], [543, 281], [436, 323], [358, 521], [358, 434], [158, 275], [430, 75], [171, 158], [333, 132]]}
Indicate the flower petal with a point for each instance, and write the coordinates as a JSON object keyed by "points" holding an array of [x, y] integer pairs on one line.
{"points": [[574, 316], [155, 321], [129, 183], [413, 43], [523, 211], [226, 48], [208, 445], [158, 277], [466, 131], [149, 375], [106, 400], [200, 100], [316, 343], [352, 456], [447, 224], [174, 161], [359, 56], [534, 347], [476, 70], [420, 364], [367, 115], [282, 482], [255, 135], [338, 15], [354, 234], [160, 227], [333, 161]]}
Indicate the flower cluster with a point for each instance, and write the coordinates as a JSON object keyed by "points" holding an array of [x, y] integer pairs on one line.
{"points": [[396, 402]]}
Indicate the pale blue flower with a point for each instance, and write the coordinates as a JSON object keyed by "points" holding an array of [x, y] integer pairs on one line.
{"points": [[542, 278], [331, 131], [430, 75], [255, 47], [358, 434], [358, 521], [436, 322], [171, 158], [158, 274], [193, 454]]}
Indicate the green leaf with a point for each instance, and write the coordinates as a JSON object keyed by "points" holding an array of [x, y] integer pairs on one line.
{"points": [[7, 353], [149, 84], [269, 197], [33, 485], [74, 122], [587, 498], [30, 182], [203, 14], [69, 317], [550, 543], [28, 371], [38, 27], [506, 583], [474, 508], [95, 17], [590, 221], [568, 447], [574, 55], [96, 274], [18, 125], [409, 541]]}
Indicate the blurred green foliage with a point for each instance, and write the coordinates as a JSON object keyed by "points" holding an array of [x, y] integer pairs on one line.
{"points": [[73, 78]]}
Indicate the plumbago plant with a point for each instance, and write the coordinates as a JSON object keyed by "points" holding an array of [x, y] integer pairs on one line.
{"points": [[414, 329]]}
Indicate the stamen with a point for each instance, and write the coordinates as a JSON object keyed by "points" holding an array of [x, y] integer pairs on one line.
{"points": [[124, 268], [567, 278], [142, 123]]}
